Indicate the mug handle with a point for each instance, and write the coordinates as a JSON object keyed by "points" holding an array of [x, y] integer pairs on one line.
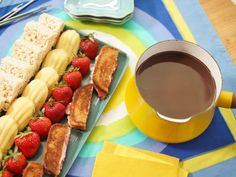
{"points": [[226, 100]]}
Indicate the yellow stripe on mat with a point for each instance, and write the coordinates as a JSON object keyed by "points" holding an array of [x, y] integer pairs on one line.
{"points": [[230, 120], [179, 21], [209, 159]]}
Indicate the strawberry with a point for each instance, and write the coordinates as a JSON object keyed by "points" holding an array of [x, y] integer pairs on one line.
{"points": [[15, 162], [40, 125], [89, 45], [5, 173], [28, 143], [62, 94], [55, 111], [73, 79], [83, 63]]}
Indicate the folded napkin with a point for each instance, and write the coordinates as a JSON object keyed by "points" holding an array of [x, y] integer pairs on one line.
{"points": [[122, 161]]}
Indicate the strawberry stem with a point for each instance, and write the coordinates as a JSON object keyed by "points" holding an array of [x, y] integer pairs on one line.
{"points": [[25, 133], [81, 54], [90, 36], [74, 54], [71, 69], [51, 101], [39, 113]]}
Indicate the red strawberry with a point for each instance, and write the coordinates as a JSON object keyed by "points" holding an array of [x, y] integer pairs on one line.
{"points": [[40, 125], [62, 94], [73, 79], [15, 162], [5, 173], [83, 63], [28, 143], [55, 111], [89, 45]]}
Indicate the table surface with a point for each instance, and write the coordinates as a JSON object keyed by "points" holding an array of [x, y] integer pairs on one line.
{"points": [[222, 15], [210, 155]]}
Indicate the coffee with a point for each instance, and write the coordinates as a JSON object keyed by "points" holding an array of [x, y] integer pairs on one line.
{"points": [[176, 84]]}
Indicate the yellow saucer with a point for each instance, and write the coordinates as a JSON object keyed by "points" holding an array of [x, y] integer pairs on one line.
{"points": [[146, 120]]}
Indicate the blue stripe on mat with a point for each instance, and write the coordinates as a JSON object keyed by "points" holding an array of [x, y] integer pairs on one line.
{"points": [[156, 9], [224, 169], [217, 135]]}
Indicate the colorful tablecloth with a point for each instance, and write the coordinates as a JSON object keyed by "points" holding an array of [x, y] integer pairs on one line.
{"points": [[213, 154]]}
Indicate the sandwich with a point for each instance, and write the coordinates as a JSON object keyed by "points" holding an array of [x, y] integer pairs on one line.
{"points": [[105, 66], [33, 169], [80, 106], [56, 147]]}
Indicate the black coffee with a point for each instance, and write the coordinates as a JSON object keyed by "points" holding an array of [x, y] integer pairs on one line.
{"points": [[176, 84]]}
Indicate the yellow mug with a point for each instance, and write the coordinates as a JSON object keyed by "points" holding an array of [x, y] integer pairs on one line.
{"points": [[166, 129]]}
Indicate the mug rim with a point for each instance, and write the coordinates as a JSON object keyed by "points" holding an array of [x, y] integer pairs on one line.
{"points": [[216, 97]]}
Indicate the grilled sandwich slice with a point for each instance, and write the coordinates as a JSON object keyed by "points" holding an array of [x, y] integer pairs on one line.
{"points": [[80, 106], [33, 169], [105, 66], [55, 150]]}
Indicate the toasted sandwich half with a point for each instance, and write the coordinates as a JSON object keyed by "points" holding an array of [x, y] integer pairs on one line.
{"points": [[105, 66], [80, 106], [33, 169], [56, 147]]}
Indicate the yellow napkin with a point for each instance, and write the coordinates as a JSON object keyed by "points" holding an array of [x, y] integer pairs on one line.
{"points": [[127, 151], [122, 161]]}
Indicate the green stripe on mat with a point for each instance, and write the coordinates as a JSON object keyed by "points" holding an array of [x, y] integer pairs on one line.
{"points": [[119, 128]]}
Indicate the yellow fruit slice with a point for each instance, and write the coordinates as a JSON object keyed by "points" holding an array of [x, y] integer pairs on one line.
{"points": [[8, 131], [69, 41], [49, 76], [57, 59], [21, 111], [36, 91]]}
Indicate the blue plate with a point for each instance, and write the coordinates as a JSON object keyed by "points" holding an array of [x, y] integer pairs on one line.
{"points": [[78, 138], [102, 19], [102, 8]]}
